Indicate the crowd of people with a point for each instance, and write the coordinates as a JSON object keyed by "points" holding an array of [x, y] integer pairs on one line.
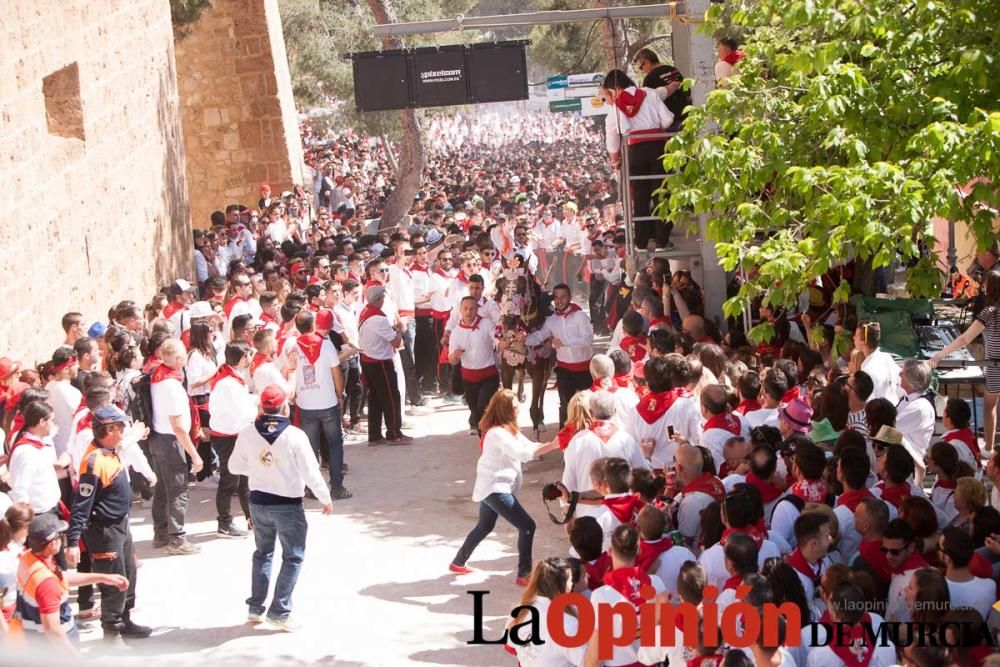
{"points": [[798, 469]]}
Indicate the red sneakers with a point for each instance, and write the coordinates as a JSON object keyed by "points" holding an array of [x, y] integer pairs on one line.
{"points": [[459, 569], [522, 581]]}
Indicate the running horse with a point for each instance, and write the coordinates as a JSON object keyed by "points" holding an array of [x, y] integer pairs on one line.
{"points": [[523, 311]]}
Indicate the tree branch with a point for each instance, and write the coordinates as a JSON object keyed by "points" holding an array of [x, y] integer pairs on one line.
{"points": [[635, 48]]}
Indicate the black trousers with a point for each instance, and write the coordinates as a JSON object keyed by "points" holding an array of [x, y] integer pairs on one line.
{"points": [[229, 484], [425, 351], [478, 395], [570, 382], [445, 370], [353, 389], [598, 289], [383, 399], [111, 552], [645, 159]]}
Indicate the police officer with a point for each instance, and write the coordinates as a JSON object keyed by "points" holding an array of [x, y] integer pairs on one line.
{"points": [[100, 513]]}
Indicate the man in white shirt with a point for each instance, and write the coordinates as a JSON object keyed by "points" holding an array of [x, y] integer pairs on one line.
{"points": [[181, 294], [32, 462], [401, 287], [169, 442], [665, 411], [879, 365], [424, 348], [697, 491], [232, 407], [346, 326], [319, 392], [915, 414], [440, 305], [904, 558], [548, 231], [276, 459], [379, 340], [64, 398], [471, 347], [956, 547], [773, 386], [572, 336]]}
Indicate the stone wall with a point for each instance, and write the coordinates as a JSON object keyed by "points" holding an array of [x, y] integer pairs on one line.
{"points": [[240, 127], [95, 206]]}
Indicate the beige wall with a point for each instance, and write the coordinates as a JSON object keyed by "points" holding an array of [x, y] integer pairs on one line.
{"points": [[239, 120], [87, 222]]}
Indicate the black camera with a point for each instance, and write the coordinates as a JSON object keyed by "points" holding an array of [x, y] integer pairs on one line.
{"points": [[554, 491]]}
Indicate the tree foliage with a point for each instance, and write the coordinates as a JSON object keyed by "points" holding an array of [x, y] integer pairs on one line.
{"points": [[848, 128]]}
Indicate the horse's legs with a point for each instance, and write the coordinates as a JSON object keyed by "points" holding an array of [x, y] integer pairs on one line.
{"points": [[520, 382], [539, 380], [506, 374]]}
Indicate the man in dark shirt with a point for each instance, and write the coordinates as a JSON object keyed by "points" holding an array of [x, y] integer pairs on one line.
{"points": [[657, 75]]}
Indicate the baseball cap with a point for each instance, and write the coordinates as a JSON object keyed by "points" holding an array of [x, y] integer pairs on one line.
{"points": [[273, 397], [110, 414], [8, 367], [324, 319], [97, 330], [43, 529]]}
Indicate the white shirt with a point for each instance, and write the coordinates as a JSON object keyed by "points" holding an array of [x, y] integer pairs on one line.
{"points": [[197, 367], [978, 593], [401, 284], [169, 400], [783, 516], [231, 406], [375, 336], [884, 372], [267, 374], [823, 656], [64, 399], [314, 387], [346, 322], [576, 333], [33, 475], [684, 415], [549, 653], [476, 342], [282, 468], [499, 467], [762, 417], [915, 419], [850, 538], [669, 563], [652, 114], [713, 560], [488, 310], [896, 609], [583, 449], [549, 234], [714, 439], [623, 655], [689, 513], [239, 308], [440, 281]]}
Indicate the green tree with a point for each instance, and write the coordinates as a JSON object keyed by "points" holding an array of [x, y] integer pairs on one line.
{"points": [[849, 126]]}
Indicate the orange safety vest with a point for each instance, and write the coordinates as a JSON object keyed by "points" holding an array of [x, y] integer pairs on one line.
{"points": [[32, 573]]}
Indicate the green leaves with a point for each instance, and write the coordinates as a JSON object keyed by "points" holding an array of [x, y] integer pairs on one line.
{"points": [[851, 126]]}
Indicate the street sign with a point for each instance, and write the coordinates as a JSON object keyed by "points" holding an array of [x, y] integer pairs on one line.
{"points": [[556, 82], [594, 106], [556, 93], [572, 104]]}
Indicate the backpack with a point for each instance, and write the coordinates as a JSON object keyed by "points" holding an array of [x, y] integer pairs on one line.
{"points": [[141, 407]]}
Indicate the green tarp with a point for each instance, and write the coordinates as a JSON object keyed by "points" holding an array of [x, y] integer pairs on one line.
{"points": [[894, 316]]}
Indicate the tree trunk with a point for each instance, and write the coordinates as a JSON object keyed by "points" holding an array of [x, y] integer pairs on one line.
{"points": [[612, 40], [410, 163], [389, 153]]}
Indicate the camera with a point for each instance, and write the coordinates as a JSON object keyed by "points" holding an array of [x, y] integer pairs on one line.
{"points": [[552, 491]]}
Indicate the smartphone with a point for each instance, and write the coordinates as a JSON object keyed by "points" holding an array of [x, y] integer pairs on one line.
{"points": [[670, 430]]}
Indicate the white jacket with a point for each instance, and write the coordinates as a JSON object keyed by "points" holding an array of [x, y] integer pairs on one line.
{"points": [[282, 468]]}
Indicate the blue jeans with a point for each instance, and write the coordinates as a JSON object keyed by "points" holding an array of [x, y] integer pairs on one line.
{"points": [[505, 505], [287, 523], [320, 424]]}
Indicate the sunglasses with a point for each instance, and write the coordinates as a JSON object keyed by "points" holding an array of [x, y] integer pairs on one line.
{"points": [[382, 270], [894, 552]]}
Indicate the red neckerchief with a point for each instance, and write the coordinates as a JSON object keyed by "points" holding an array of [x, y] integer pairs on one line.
{"points": [[624, 380], [568, 310], [650, 552], [751, 405], [225, 371], [850, 499], [171, 308], [851, 644], [311, 345], [629, 103], [420, 267], [462, 278], [725, 422], [752, 531], [258, 361], [369, 311], [597, 569], [790, 395], [25, 438], [733, 57], [228, 308], [314, 280], [267, 318], [871, 552], [634, 346], [914, 562], [799, 562], [968, 437], [768, 491], [811, 491], [85, 422], [474, 326], [657, 321], [945, 484], [625, 508], [604, 384], [163, 372], [603, 430], [733, 582], [708, 484], [896, 494], [566, 434], [653, 406], [628, 581], [440, 272]]}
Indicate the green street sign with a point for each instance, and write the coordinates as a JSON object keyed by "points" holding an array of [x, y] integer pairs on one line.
{"points": [[573, 104]]}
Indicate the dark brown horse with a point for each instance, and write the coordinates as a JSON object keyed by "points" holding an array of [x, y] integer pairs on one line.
{"points": [[523, 311]]}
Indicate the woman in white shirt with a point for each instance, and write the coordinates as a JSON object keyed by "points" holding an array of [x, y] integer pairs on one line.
{"points": [[552, 577], [498, 479], [200, 368]]}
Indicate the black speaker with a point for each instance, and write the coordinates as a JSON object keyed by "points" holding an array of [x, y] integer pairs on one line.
{"points": [[497, 72], [438, 76], [381, 80]]}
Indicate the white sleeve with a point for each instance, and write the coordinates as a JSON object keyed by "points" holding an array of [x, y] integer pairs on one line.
{"points": [[663, 114], [536, 337], [131, 455], [21, 477], [613, 140], [689, 518], [783, 521], [520, 448]]}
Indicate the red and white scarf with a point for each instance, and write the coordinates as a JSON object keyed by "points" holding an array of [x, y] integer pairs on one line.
{"points": [[768, 491], [811, 491], [628, 581], [226, 371], [311, 346], [653, 406], [708, 484], [750, 405], [850, 499], [626, 508], [650, 552], [603, 429], [725, 422]]}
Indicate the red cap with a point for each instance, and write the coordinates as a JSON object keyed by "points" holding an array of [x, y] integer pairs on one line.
{"points": [[8, 367], [295, 267], [324, 319], [273, 397]]}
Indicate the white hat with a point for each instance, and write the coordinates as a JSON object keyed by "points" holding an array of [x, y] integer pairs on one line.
{"points": [[200, 309]]}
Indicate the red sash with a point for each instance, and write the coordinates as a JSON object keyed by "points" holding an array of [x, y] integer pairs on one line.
{"points": [[653, 406], [630, 103], [624, 381], [603, 430], [228, 308], [171, 308], [225, 371], [596, 570], [895, 495], [650, 552], [799, 562], [733, 582], [258, 361], [311, 346], [161, 372], [725, 422], [625, 508], [628, 581], [87, 421], [634, 347], [267, 318], [25, 439], [945, 484], [569, 310], [747, 530], [733, 57], [871, 552], [850, 499], [369, 311], [968, 437], [768, 491], [472, 327], [851, 645], [708, 484], [811, 491], [751, 405]]}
